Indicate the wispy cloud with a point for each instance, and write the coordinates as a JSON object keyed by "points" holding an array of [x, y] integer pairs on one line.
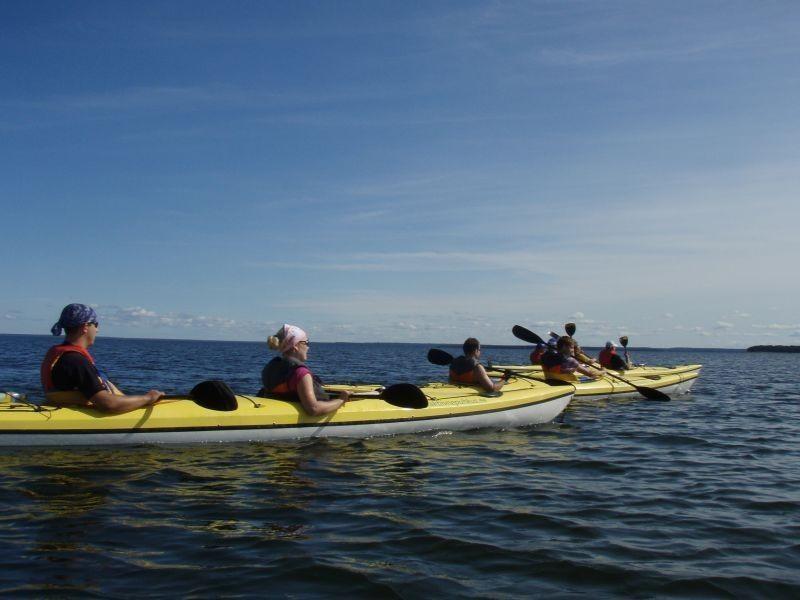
{"points": [[778, 326], [416, 262], [610, 57], [137, 316]]}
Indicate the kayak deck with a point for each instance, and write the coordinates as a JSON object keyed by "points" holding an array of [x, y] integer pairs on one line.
{"points": [[522, 402], [670, 380]]}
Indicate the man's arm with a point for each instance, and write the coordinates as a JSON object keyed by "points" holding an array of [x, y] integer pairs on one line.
{"points": [[113, 403], [486, 381]]}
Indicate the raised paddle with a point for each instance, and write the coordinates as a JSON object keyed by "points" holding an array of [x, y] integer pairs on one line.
{"points": [[624, 341], [439, 357], [526, 335], [570, 329], [651, 394]]}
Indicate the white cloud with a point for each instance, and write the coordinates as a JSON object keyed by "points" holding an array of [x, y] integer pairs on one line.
{"points": [[723, 325], [141, 317], [777, 326], [669, 316]]}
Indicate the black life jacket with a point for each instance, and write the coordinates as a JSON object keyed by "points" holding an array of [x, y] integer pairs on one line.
{"points": [[276, 375]]}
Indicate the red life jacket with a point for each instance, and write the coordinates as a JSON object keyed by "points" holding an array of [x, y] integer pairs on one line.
{"points": [[53, 355], [536, 356], [462, 370], [609, 359], [604, 358]]}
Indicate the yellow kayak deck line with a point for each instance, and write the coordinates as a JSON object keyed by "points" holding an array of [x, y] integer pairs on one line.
{"points": [[522, 402], [675, 380]]}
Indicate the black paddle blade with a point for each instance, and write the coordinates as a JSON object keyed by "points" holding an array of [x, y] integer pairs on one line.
{"points": [[439, 357], [624, 341], [649, 393], [214, 395], [404, 395], [526, 335], [652, 394], [570, 329]]}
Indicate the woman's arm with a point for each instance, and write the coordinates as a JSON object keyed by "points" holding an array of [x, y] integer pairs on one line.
{"points": [[314, 407]]}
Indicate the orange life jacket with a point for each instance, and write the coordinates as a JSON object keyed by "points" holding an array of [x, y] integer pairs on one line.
{"points": [[462, 370], [52, 357]]}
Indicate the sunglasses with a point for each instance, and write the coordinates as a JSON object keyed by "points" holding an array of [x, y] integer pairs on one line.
{"points": [[95, 323], [304, 342]]}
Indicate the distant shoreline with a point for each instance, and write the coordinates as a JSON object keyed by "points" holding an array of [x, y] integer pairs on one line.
{"points": [[431, 344], [774, 349]]}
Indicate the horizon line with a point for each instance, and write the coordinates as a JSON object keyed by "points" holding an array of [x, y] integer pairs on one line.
{"points": [[114, 337]]}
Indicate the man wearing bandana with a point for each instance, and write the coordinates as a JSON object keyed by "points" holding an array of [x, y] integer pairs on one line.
{"points": [[69, 374]]}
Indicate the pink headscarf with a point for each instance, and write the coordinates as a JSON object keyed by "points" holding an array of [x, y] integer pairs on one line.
{"points": [[292, 335]]}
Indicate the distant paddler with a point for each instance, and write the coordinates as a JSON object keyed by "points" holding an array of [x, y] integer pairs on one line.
{"points": [[70, 376], [579, 354], [561, 363], [541, 348], [609, 359], [467, 368]]}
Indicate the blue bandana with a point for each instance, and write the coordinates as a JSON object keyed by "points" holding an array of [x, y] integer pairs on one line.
{"points": [[74, 315]]}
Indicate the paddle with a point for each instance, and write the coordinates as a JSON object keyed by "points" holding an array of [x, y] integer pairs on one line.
{"points": [[439, 357], [522, 375], [526, 335], [402, 395], [213, 395], [624, 341], [570, 329], [651, 394]]}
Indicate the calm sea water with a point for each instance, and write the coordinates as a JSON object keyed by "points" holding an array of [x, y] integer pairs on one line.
{"points": [[699, 497]]}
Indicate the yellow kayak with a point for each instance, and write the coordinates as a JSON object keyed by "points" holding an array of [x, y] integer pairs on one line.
{"points": [[669, 380], [182, 420]]}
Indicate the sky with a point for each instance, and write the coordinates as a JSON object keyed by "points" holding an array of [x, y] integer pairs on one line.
{"points": [[403, 171]]}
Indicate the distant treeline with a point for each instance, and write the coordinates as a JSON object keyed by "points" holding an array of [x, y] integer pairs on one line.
{"points": [[774, 349]]}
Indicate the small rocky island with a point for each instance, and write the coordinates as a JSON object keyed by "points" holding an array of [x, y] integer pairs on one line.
{"points": [[774, 349]]}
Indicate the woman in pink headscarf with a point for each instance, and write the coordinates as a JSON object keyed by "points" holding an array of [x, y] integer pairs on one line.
{"points": [[288, 374]]}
